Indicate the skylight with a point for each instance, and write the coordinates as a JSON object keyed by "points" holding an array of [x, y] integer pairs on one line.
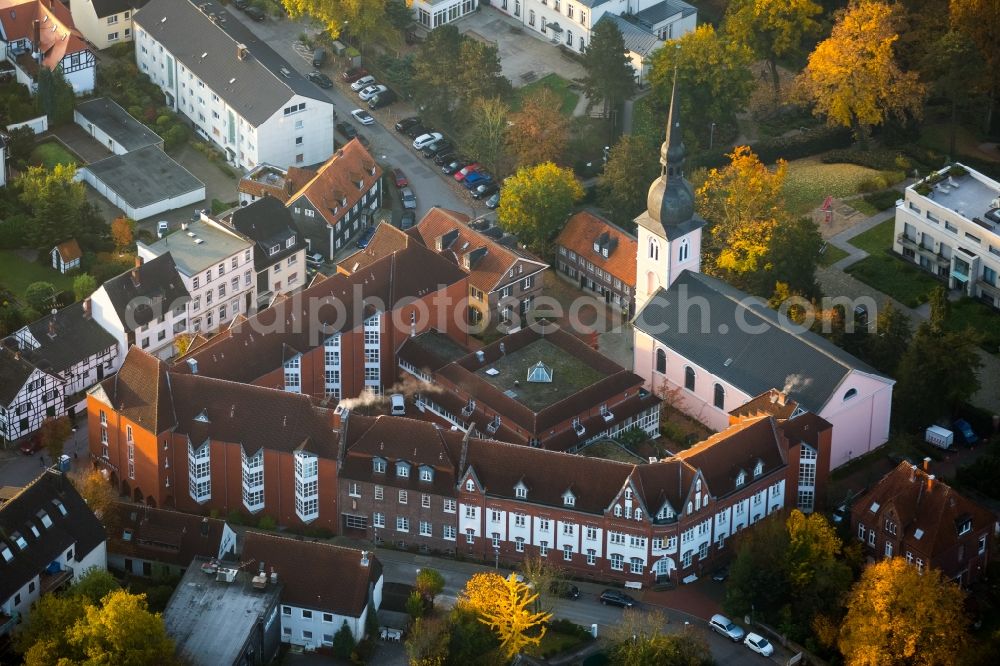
{"points": [[60, 506], [875, 506], [7, 555], [919, 533], [44, 517]]}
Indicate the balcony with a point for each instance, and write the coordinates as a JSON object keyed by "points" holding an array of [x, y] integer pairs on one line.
{"points": [[988, 288], [906, 241], [50, 582], [7, 623]]}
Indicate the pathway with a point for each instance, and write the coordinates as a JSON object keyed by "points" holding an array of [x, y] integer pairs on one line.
{"points": [[834, 281]]}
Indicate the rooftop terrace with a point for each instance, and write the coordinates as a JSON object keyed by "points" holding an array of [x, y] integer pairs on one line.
{"points": [[971, 195], [509, 374]]}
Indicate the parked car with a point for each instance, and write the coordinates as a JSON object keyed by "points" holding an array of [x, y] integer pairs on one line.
{"points": [[454, 166], [476, 178], [347, 129], [407, 123], [564, 589], [464, 172], [726, 627], [32, 445], [366, 237], [363, 82], [720, 574], [616, 598], [408, 219], [320, 79], [401, 180], [255, 13], [436, 147], [409, 199], [759, 644], [363, 117], [315, 259], [241, 4], [353, 74], [382, 99], [319, 57], [371, 91], [493, 201], [424, 140], [966, 434], [445, 157], [840, 514], [398, 404], [162, 228], [285, 72], [484, 190]]}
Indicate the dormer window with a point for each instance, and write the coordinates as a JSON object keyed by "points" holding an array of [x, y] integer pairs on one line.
{"points": [[597, 246], [470, 485], [521, 491], [741, 478], [569, 499], [402, 470], [618, 511], [274, 250], [378, 465], [638, 514], [628, 493], [758, 469], [290, 241], [965, 527], [426, 474]]}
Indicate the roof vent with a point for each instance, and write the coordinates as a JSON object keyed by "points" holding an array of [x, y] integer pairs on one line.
{"points": [[481, 356]]}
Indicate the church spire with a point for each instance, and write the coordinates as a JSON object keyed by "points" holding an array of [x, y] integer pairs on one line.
{"points": [[670, 201]]}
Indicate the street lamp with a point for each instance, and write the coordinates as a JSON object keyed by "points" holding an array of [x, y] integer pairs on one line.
{"points": [[496, 557], [711, 136]]}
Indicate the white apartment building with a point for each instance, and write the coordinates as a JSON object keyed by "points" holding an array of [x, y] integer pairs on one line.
{"points": [[240, 94], [570, 22], [104, 22], [216, 267], [949, 225], [432, 13]]}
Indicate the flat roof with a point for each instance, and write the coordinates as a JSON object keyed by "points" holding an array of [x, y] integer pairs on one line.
{"points": [[144, 177], [969, 195], [210, 621], [569, 374], [117, 123], [192, 256]]}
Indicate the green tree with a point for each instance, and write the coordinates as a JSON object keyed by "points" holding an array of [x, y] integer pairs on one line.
{"points": [[343, 642], [714, 80], [55, 200], [471, 642], [956, 65], [539, 132], [885, 347], [772, 29], [899, 615], [94, 585], [45, 631], [54, 432], [793, 255], [536, 202], [541, 574], [610, 76], [758, 576], [416, 605], [40, 296], [429, 583], [435, 84], [640, 638], [20, 143], [632, 165], [486, 136], [427, 644], [55, 96], [980, 19], [364, 18], [853, 78], [83, 286], [480, 76]]}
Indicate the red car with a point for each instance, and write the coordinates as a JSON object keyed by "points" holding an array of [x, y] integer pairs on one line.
{"points": [[354, 73], [401, 180], [32, 445], [462, 173]]}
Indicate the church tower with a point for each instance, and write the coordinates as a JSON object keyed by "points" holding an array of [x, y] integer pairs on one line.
{"points": [[669, 231]]}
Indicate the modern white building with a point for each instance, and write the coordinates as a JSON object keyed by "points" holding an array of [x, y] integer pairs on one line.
{"points": [[40, 33], [432, 13], [49, 538], [105, 22], [570, 22], [949, 225], [215, 265], [146, 306], [241, 95]]}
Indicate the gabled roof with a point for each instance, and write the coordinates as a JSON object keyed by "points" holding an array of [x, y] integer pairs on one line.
{"points": [[585, 228], [745, 343], [35, 505], [663, 10], [316, 575], [638, 39], [740, 447], [334, 187], [488, 262], [267, 223], [253, 86], [58, 35], [117, 123], [14, 372], [69, 250], [931, 509], [161, 535], [146, 292], [66, 338], [386, 240], [140, 390]]}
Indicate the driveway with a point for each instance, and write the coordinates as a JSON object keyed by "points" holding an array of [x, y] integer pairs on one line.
{"points": [[521, 49]]}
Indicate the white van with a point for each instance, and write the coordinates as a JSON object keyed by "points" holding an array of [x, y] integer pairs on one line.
{"points": [[397, 404]]}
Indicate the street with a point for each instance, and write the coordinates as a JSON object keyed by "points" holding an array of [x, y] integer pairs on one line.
{"points": [[17, 469], [402, 567], [387, 146]]}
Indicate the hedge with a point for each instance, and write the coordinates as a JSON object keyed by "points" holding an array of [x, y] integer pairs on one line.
{"points": [[804, 144]]}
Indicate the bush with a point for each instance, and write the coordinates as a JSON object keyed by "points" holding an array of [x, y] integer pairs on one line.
{"points": [[880, 160], [13, 231], [267, 523], [884, 200], [569, 628], [804, 144]]}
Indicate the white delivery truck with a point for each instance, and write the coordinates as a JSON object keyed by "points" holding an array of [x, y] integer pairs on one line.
{"points": [[939, 437]]}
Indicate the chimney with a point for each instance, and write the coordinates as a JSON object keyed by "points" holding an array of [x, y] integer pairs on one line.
{"points": [[135, 276], [52, 327], [364, 558], [36, 37], [138, 261], [86, 308], [930, 482], [927, 464], [782, 398]]}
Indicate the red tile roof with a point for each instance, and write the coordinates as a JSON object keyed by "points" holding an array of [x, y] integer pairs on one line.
{"points": [[584, 228], [337, 180], [771, 403], [140, 391], [315, 575], [294, 179], [750, 441], [58, 35], [161, 535]]}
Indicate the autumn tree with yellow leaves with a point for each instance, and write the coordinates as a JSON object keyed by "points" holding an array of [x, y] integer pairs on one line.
{"points": [[853, 78], [365, 17], [897, 614], [536, 202], [503, 604]]}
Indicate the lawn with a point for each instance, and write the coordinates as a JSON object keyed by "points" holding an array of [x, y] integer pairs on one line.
{"points": [[859, 204], [876, 240], [969, 313], [556, 84], [831, 255], [16, 274], [893, 276], [809, 181], [50, 153]]}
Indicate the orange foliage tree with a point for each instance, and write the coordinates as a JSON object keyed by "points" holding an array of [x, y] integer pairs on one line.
{"points": [[123, 233]]}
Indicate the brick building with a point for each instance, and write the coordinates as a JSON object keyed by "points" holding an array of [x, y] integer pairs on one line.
{"points": [[909, 513], [600, 257]]}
